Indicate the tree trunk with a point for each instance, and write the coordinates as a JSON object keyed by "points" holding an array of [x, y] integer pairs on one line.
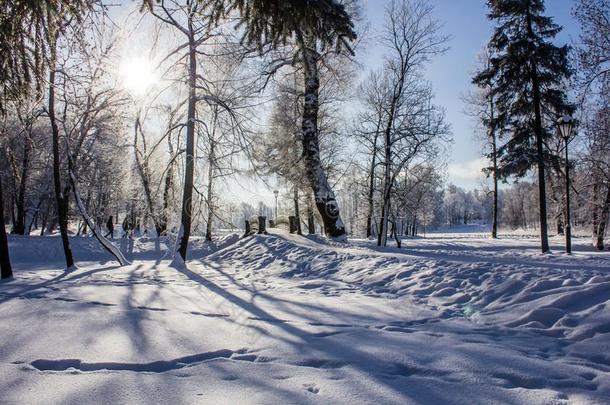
{"points": [[325, 200], [110, 248], [145, 177], [210, 196], [169, 180], [387, 187], [559, 224], [595, 210], [61, 198], [311, 225], [603, 221], [189, 169], [34, 221], [544, 240], [383, 224], [19, 224], [395, 233], [494, 222], [371, 195], [6, 270], [297, 216]]}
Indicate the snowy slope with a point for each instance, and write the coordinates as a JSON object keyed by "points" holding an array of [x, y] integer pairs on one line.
{"points": [[287, 319]]}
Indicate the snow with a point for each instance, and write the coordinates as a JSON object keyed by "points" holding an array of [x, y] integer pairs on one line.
{"points": [[450, 318]]}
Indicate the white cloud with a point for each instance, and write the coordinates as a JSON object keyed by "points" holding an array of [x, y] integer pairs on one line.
{"points": [[468, 173]]}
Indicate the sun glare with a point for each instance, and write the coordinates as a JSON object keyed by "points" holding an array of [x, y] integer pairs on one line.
{"points": [[137, 75]]}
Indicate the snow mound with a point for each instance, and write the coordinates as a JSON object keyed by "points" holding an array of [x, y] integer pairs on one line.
{"points": [[565, 298]]}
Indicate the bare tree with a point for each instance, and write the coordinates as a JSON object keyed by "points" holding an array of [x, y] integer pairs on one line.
{"points": [[593, 57], [61, 195], [196, 23], [410, 123], [481, 104], [368, 133]]}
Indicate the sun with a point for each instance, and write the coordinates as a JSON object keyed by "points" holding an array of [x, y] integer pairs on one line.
{"points": [[137, 75]]}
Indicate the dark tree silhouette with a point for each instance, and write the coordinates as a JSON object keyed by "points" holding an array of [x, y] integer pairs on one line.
{"points": [[6, 270], [529, 71]]}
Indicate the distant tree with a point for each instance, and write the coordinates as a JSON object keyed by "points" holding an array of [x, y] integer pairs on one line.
{"points": [[368, 132], [482, 105], [280, 150], [529, 71]]}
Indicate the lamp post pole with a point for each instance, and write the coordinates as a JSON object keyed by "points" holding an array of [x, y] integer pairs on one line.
{"points": [[275, 193], [568, 218], [566, 126]]}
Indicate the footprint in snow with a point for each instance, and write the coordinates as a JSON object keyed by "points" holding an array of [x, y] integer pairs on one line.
{"points": [[151, 308], [313, 388]]}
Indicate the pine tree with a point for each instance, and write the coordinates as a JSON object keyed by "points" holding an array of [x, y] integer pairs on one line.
{"points": [[529, 71], [23, 33]]}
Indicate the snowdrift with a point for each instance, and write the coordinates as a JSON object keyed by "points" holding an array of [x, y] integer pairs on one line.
{"points": [[559, 296]]}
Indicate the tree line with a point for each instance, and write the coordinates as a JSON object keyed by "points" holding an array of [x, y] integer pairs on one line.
{"points": [[80, 149], [56, 70]]}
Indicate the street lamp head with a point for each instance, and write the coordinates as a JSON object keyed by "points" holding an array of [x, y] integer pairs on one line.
{"points": [[275, 192], [566, 126]]}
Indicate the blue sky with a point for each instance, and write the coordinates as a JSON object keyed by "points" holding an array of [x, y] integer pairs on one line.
{"points": [[466, 22]]}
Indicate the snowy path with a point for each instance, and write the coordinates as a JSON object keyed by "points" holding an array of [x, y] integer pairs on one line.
{"points": [[283, 319]]}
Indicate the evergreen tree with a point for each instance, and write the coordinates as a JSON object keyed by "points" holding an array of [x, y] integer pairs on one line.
{"points": [[529, 71], [23, 43]]}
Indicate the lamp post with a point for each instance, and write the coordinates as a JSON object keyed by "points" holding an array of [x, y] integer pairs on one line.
{"points": [[566, 127], [275, 192]]}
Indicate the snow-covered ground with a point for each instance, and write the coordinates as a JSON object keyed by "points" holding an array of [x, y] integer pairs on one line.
{"points": [[451, 318]]}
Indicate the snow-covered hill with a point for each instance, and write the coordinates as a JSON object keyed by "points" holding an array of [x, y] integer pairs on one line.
{"points": [[287, 319]]}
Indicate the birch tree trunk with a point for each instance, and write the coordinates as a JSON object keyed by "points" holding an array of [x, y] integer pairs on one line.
{"points": [[324, 196], [106, 244], [6, 270]]}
